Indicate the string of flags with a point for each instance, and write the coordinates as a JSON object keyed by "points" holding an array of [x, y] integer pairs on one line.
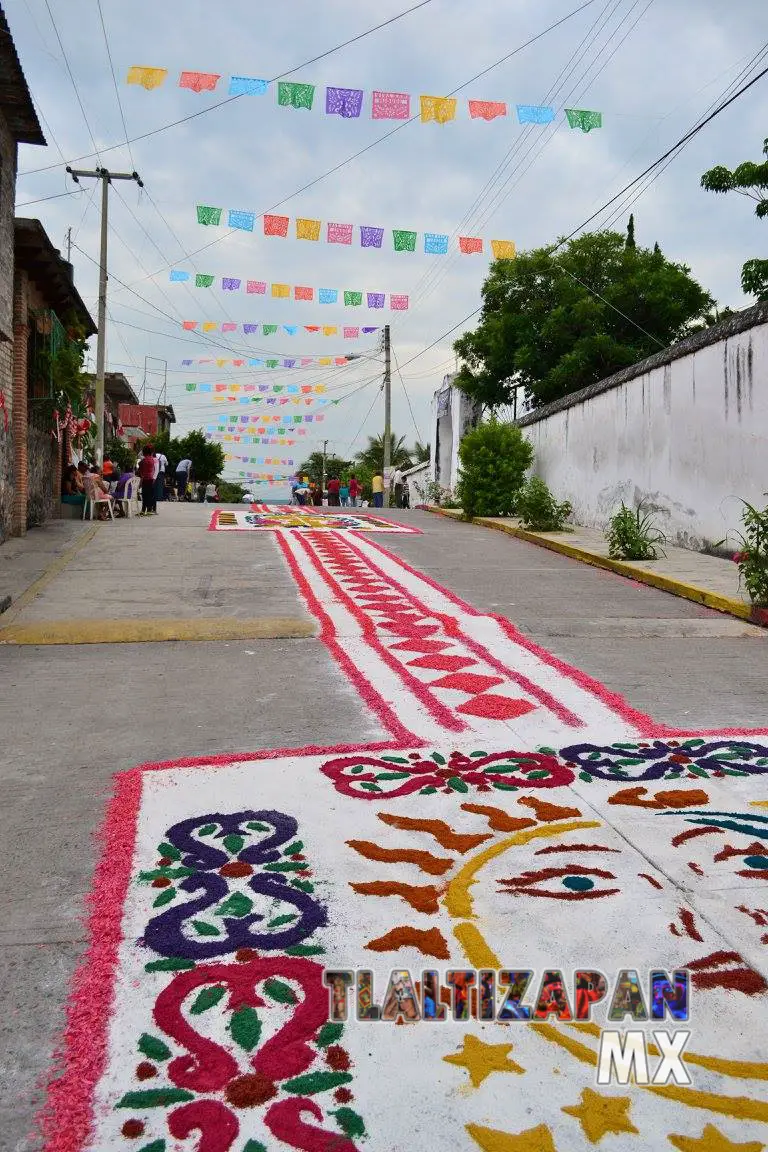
{"points": [[293, 362], [403, 239], [305, 389], [285, 418], [348, 103], [351, 299], [264, 440], [349, 332], [285, 462]]}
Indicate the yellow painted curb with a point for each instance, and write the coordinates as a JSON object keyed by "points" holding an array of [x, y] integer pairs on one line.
{"points": [[157, 631], [720, 603], [50, 573]]}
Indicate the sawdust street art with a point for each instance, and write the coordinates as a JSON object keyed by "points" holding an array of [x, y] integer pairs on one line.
{"points": [[516, 816]]}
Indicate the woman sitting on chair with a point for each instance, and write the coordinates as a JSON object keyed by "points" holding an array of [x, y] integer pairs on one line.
{"points": [[96, 489], [119, 493]]}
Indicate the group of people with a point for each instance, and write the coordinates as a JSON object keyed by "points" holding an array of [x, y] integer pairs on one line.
{"points": [[107, 485], [347, 492]]}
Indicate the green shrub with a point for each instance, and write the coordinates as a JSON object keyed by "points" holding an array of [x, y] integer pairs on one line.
{"points": [[632, 535], [753, 557], [494, 459], [538, 509]]}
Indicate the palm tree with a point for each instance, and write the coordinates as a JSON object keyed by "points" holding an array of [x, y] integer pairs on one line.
{"points": [[420, 452], [372, 457]]}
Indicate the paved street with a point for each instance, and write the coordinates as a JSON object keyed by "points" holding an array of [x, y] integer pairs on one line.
{"points": [[74, 713]]}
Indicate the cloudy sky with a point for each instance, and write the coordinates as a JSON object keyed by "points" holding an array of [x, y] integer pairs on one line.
{"points": [[652, 67]]}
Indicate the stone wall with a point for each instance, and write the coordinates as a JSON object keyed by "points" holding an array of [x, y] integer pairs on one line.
{"points": [[7, 198], [43, 483], [684, 433]]}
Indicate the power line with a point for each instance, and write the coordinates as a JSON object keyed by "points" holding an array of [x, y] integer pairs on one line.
{"points": [[114, 81], [56, 196], [77, 93], [410, 408], [231, 99]]}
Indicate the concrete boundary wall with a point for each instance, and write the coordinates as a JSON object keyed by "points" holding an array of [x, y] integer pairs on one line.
{"points": [[684, 432]]}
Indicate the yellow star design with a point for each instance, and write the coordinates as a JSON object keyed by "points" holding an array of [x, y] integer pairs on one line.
{"points": [[599, 1115], [713, 1141], [481, 1059], [534, 1140]]}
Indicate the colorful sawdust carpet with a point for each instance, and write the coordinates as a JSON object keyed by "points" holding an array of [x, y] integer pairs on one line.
{"points": [[516, 816], [266, 518]]}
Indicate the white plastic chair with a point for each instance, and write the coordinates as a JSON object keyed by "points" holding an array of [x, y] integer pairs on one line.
{"points": [[89, 505], [128, 497]]}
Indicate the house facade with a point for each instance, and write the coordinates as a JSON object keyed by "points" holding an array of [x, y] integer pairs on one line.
{"points": [[18, 125]]}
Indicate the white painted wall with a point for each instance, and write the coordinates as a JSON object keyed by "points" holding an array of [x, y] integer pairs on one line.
{"points": [[687, 438], [458, 414]]}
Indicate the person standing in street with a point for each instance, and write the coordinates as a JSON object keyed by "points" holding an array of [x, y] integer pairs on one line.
{"points": [[344, 493], [333, 492], [183, 470], [377, 487], [147, 476], [354, 491], [397, 484], [162, 468]]}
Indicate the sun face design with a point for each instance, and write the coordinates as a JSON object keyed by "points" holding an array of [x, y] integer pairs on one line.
{"points": [[536, 880]]}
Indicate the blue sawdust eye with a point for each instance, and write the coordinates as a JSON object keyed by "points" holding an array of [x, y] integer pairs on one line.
{"points": [[756, 861], [583, 883]]}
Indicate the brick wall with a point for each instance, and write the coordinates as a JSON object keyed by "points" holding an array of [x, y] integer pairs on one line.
{"points": [[43, 479], [7, 196], [20, 405]]}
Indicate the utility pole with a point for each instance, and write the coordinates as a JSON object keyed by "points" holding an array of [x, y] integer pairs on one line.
{"points": [[106, 178], [387, 413], [68, 242], [322, 478]]}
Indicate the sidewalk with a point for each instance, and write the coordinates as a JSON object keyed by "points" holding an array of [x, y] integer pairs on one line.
{"points": [[695, 576]]}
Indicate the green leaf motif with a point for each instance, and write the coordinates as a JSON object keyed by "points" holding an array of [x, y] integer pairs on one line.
{"points": [[438, 759], [206, 999], [165, 874], [155, 1098], [278, 920], [292, 849], [586, 776], [233, 843], [155, 1146], [476, 755], [357, 769], [207, 830], [369, 786], [304, 885], [204, 929], [305, 950], [286, 866], [235, 905], [428, 790], [257, 826], [169, 964], [395, 759], [279, 992], [458, 784], [245, 1027], [164, 898], [154, 1048], [329, 1033], [166, 849], [314, 1082], [350, 1123], [392, 775], [254, 1146]]}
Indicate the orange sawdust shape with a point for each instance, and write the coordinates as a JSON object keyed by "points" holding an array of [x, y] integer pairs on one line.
{"points": [[442, 832], [637, 797], [498, 819], [422, 897], [547, 812], [435, 865], [429, 942]]}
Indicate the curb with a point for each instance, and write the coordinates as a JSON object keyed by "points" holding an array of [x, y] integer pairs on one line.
{"points": [[12, 608], [626, 568], [157, 631]]}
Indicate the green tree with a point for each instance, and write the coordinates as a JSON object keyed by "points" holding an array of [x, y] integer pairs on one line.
{"points": [[335, 467], [207, 458], [372, 457], [230, 492], [420, 453], [121, 454], [557, 320], [630, 241], [750, 180], [494, 459]]}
